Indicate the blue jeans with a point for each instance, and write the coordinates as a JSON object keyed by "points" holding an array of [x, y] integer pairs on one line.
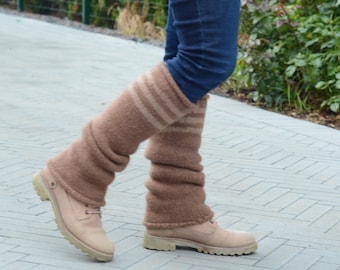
{"points": [[201, 44]]}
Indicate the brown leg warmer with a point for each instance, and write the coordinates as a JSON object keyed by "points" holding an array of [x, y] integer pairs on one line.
{"points": [[147, 106], [176, 196]]}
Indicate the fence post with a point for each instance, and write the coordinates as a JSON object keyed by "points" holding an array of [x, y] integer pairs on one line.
{"points": [[20, 5], [86, 11]]}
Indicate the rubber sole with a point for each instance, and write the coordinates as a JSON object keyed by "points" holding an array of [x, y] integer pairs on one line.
{"points": [[170, 244], [45, 195]]}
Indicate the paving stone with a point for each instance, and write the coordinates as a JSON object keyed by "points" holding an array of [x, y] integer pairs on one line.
{"points": [[18, 265], [10, 257], [324, 266], [279, 257], [301, 262], [177, 266]]}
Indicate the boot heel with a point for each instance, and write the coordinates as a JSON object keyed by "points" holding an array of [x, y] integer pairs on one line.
{"points": [[39, 187], [156, 243]]}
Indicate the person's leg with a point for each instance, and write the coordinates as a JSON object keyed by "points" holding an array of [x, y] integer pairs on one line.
{"points": [[76, 180], [201, 50], [175, 186], [171, 39], [176, 212]]}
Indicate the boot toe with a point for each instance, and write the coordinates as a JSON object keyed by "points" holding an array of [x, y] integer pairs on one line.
{"points": [[239, 239], [101, 244]]}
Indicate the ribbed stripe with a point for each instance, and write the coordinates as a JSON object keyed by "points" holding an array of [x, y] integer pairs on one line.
{"points": [[143, 109], [171, 106], [191, 121], [190, 130], [156, 100], [188, 124], [152, 98]]}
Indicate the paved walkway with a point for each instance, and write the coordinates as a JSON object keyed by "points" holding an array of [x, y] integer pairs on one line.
{"points": [[275, 176]]}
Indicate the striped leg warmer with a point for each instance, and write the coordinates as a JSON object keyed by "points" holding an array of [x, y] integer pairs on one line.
{"points": [[147, 106], [176, 197]]}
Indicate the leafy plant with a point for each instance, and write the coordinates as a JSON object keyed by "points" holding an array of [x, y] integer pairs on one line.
{"points": [[289, 51]]}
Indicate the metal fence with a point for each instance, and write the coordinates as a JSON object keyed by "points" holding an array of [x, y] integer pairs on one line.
{"points": [[96, 12]]}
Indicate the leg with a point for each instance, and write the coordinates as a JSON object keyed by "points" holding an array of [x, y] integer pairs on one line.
{"points": [[176, 196], [171, 41], [201, 50], [176, 212], [76, 180]]}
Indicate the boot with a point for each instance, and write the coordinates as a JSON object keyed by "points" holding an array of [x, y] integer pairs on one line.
{"points": [[207, 237], [76, 180], [78, 222], [176, 212]]}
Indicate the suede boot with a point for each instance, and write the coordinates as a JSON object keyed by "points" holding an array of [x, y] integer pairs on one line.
{"points": [[84, 170], [79, 223], [207, 237], [176, 213]]}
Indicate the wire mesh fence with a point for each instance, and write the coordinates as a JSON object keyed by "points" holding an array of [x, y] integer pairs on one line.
{"points": [[133, 15]]}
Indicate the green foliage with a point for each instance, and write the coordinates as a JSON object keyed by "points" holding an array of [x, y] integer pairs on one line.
{"points": [[104, 12], [290, 53], [154, 11]]}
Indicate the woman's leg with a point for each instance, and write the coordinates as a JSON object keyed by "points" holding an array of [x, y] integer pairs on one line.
{"points": [[76, 180], [176, 212], [206, 35], [171, 39], [176, 196]]}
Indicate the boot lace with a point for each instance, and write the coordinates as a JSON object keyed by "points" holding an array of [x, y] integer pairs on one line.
{"points": [[92, 210]]}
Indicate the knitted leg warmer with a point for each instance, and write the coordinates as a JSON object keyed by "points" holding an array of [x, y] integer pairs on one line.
{"points": [[176, 196], [147, 106]]}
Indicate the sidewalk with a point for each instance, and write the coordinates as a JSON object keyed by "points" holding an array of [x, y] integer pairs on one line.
{"points": [[275, 176]]}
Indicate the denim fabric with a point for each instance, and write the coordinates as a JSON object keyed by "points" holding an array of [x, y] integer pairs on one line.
{"points": [[201, 43]]}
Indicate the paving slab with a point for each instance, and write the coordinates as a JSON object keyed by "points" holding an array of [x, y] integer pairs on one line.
{"points": [[273, 175]]}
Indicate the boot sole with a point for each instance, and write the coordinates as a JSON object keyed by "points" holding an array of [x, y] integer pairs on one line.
{"points": [[45, 195], [170, 244]]}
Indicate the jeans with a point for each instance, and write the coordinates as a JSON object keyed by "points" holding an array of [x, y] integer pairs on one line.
{"points": [[201, 44]]}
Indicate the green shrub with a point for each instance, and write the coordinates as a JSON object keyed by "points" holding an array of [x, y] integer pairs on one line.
{"points": [[290, 53]]}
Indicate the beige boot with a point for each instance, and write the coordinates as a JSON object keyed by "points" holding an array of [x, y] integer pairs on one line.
{"points": [[176, 212], [208, 237], [76, 180], [79, 223]]}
